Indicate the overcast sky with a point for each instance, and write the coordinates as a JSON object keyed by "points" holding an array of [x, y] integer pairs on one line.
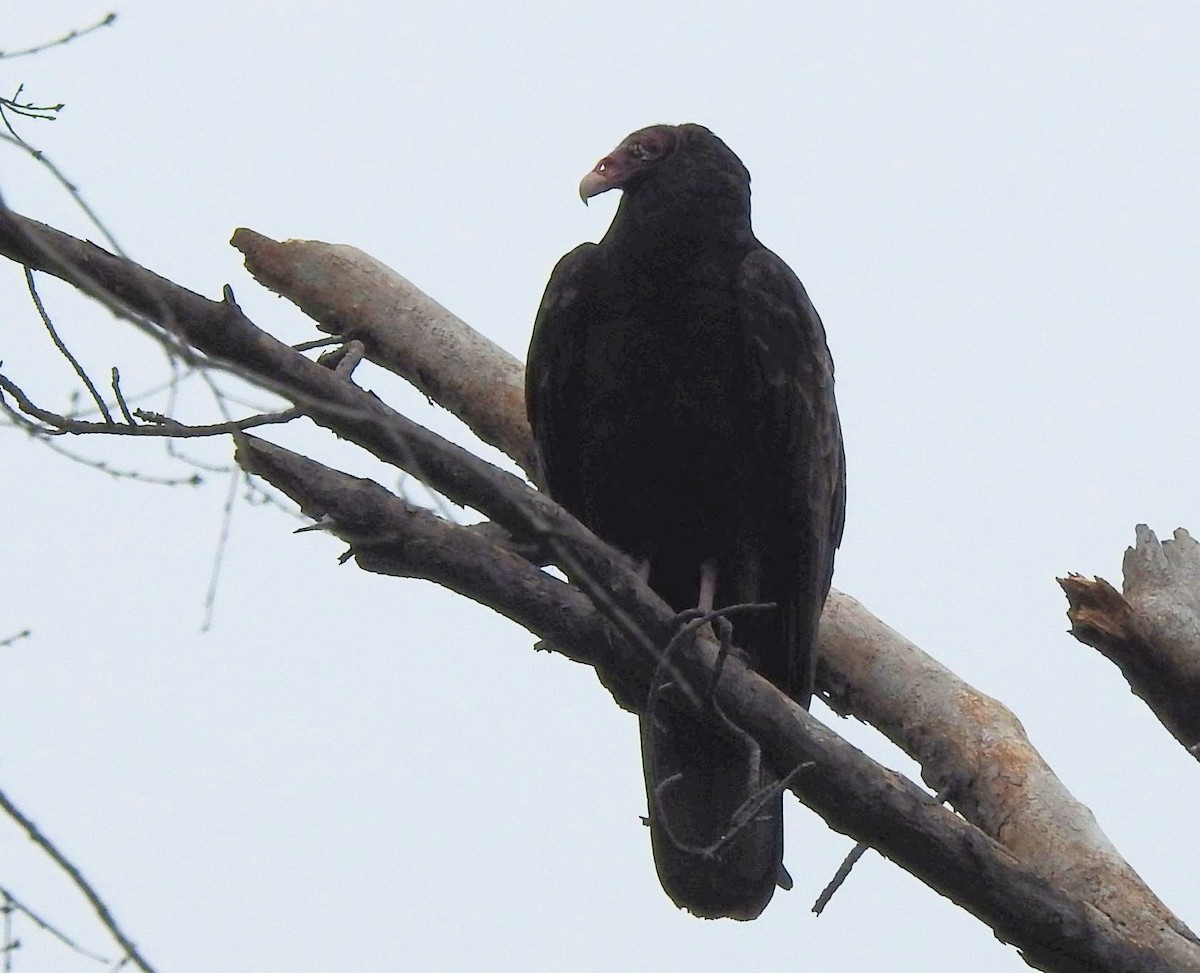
{"points": [[995, 209]]}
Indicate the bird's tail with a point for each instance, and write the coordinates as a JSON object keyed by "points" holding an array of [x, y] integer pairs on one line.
{"points": [[716, 815]]}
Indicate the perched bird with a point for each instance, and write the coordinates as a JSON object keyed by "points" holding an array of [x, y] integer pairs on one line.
{"points": [[681, 396]]}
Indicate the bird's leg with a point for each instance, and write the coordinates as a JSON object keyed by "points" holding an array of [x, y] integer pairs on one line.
{"points": [[722, 629], [695, 619], [708, 585]]}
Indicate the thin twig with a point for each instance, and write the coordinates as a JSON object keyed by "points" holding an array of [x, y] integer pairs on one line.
{"points": [[26, 109], [210, 598], [695, 619], [739, 820], [24, 634], [65, 39], [178, 430], [848, 863], [318, 343], [344, 359], [756, 802], [724, 631], [63, 349], [146, 394], [42, 924], [840, 876], [36, 432], [10, 944], [73, 190], [97, 904], [121, 403], [355, 351], [158, 426]]}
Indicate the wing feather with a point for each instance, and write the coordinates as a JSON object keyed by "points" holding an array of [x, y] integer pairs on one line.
{"points": [[803, 481], [553, 372]]}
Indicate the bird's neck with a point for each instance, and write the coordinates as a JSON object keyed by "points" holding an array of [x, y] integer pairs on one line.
{"points": [[679, 229]]}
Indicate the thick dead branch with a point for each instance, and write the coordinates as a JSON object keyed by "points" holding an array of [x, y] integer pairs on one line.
{"points": [[350, 293], [390, 536], [1152, 631], [856, 796], [221, 331], [969, 745], [975, 752]]}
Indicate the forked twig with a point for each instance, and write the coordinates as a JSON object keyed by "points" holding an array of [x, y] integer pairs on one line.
{"points": [[63, 349], [694, 619], [738, 821], [15, 904]]}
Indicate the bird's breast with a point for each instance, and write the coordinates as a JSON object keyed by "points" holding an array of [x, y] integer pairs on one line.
{"points": [[664, 420]]}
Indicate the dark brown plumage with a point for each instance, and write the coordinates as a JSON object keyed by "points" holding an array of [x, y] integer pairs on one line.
{"points": [[681, 396]]}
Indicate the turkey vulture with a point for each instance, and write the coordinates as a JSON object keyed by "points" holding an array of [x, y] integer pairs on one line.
{"points": [[681, 396]]}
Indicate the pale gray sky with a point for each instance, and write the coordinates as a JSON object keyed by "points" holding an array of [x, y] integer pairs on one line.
{"points": [[996, 213]]}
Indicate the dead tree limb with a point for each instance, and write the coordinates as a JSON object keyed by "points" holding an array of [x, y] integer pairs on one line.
{"points": [[350, 293], [969, 746], [1055, 930], [997, 782], [972, 749], [1151, 631]]}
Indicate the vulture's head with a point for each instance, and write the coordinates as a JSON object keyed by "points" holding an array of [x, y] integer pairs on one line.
{"points": [[676, 158]]}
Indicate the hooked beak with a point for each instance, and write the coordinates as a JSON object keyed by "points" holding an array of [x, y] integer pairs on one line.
{"points": [[598, 181]]}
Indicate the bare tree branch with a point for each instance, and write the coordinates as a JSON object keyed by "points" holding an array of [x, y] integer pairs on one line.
{"points": [[970, 747], [348, 292], [13, 639], [65, 39], [62, 347], [12, 902], [89, 893], [1054, 929], [974, 751], [25, 109], [157, 425], [220, 330], [1152, 631], [840, 876]]}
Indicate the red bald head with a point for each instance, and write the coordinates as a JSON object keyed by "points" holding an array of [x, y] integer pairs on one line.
{"points": [[638, 153]]}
